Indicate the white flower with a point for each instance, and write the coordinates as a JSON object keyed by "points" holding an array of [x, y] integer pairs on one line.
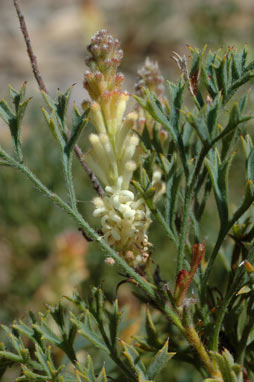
{"points": [[114, 154], [124, 222]]}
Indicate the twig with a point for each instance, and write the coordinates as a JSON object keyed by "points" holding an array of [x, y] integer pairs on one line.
{"points": [[31, 55], [94, 180], [42, 86], [182, 65]]}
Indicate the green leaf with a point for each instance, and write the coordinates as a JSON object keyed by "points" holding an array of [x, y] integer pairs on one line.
{"points": [[14, 120], [235, 119], [10, 356], [242, 319], [102, 376], [77, 300], [239, 62], [89, 369], [17, 96], [152, 107], [143, 178], [250, 165], [177, 92], [174, 177], [79, 122], [60, 106], [58, 314], [47, 333], [208, 74], [86, 330], [223, 366], [31, 376], [114, 322], [218, 172], [223, 79], [152, 334], [53, 125], [24, 329], [213, 113], [7, 114], [247, 145], [238, 83], [15, 341], [40, 355], [199, 123], [196, 56], [166, 164], [133, 359], [227, 366], [159, 361]]}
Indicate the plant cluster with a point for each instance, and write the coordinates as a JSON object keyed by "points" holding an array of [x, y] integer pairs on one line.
{"points": [[161, 162]]}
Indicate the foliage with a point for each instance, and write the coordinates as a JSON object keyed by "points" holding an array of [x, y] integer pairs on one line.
{"points": [[186, 148]]}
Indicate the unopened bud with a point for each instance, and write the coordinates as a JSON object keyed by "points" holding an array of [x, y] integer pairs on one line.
{"points": [[109, 261]]}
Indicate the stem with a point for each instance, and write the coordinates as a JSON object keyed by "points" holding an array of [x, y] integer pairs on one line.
{"points": [[217, 328], [96, 185], [30, 52], [157, 214], [246, 332], [193, 338], [212, 258], [113, 353], [187, 201], [67, 162], [184, 229], [222, 234], [226, 301], [173, 317]]}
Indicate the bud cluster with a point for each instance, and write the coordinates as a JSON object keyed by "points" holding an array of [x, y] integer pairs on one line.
{"points": [[104, 61], [150, 78]]}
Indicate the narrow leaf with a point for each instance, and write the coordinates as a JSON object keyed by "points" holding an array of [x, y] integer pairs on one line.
{"points": [[86, 330], [159, 362]]}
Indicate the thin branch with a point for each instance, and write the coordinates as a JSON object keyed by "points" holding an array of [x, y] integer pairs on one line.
{"points": [[182, 65], [29, 48], [42, 86], [94, 180]]}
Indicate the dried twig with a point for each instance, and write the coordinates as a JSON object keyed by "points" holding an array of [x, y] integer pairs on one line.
{"points": [[37, 75], [182, 65], [31, 55]]}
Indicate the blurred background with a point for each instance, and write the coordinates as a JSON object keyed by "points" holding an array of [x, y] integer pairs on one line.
{"points": [[42, 254]]}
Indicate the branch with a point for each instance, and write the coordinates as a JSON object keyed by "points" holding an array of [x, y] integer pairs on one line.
{"points": [[42, 86], [29, 48], [182, 65]]}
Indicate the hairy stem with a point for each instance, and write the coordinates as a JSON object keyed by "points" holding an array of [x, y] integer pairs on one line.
{"points": [[30, 52], [193, 338], [158, 216], [68, 176]]}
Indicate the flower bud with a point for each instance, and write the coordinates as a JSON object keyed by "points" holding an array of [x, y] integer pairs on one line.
{"points": [[150, 78]]}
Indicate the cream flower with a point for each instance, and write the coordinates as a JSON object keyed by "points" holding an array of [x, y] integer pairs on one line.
{"points": [[114, 154], [124, 220]]}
